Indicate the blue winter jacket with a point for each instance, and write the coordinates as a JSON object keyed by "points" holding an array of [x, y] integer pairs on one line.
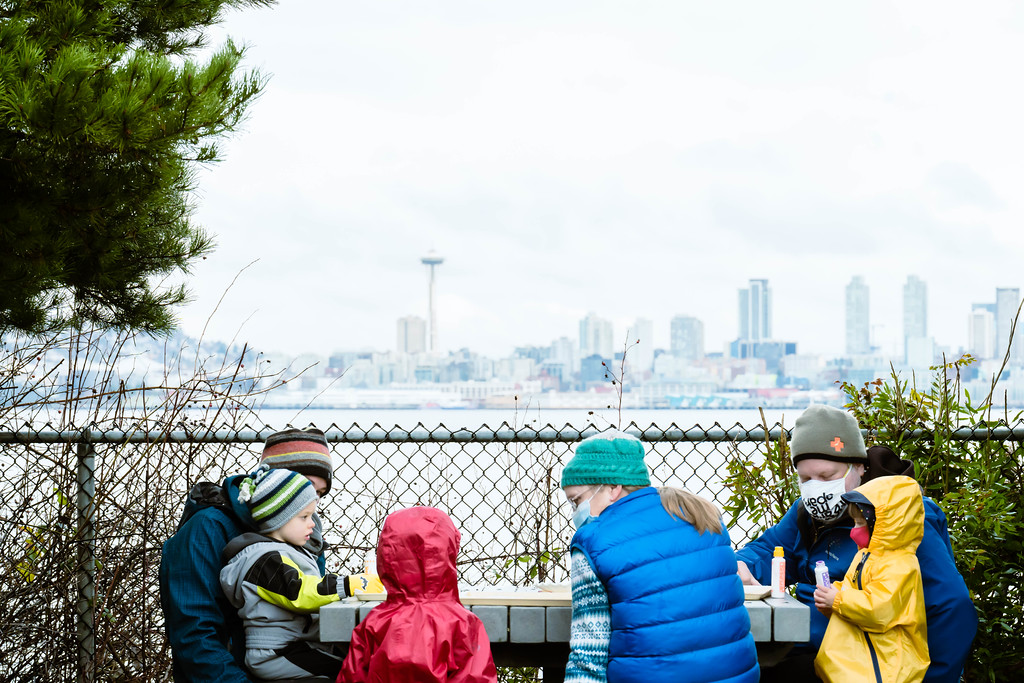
{"points": [[204, 630], [676, 601], [952, 619]]}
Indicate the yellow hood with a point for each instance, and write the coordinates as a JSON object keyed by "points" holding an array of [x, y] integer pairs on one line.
{"points": [[899, 512]]}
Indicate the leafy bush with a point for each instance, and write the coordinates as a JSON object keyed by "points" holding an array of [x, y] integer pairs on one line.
{"points": [[967, 459], [970, 463]]}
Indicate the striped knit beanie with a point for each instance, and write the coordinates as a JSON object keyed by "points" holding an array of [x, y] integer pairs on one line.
{"points": [[611, 457], [275, 496], [300, 450]]}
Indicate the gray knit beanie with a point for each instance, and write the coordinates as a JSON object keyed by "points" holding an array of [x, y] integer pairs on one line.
{"points": [[611, 457], [274, 496], [827, 433]]}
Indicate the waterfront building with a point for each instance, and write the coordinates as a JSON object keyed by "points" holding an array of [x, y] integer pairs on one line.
{"points": [[596, 337], [981, 331], [915, 317], [1007, 301], [768, 350], [641, 355], [755, 311], [412, 334], [563, 352], [594, 371], [686, 338], [858, 320]]}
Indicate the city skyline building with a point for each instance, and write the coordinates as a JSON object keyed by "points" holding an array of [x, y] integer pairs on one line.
{"points": [[412, 334], [981, 331], [755, 311], [596, 337], [432, 260], [686, 337], [1007, 301], [915, 316], [858, 317], [641, 355]]}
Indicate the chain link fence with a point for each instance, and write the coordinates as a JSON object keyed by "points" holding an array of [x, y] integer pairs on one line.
{"points": [[84, 513]]}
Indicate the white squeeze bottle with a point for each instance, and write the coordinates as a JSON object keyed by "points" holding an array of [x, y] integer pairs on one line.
{"points": [[778, 573], [821, 574]]}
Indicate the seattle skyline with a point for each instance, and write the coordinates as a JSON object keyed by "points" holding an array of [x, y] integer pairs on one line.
{"points": [[598, 335], [642, 161]]}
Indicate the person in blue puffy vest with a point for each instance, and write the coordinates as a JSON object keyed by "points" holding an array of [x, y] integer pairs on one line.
{"points": [[655, 594], [828, 452]]}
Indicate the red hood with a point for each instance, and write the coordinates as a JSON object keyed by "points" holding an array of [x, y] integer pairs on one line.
{"points": [[416, 555]]}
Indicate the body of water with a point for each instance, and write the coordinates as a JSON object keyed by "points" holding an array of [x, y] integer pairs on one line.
{"points": [[473, 419]]}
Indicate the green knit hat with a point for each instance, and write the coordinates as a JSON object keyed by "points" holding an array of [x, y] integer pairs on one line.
{"points": [[611, 457]]}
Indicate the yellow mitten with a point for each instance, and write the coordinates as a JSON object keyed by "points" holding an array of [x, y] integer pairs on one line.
{"points": [[357, 584]]}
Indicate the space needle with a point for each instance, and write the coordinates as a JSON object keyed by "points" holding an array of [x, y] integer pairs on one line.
{"points": [[431, 260]]}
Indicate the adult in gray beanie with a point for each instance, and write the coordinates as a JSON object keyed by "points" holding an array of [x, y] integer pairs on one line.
{"points": [[828, 453], [826, 433]]}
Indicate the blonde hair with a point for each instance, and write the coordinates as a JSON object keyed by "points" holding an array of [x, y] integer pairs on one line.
{"points": [[702, 514]]}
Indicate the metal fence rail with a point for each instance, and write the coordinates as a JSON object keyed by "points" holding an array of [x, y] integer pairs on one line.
{"points": [[83, 515]]}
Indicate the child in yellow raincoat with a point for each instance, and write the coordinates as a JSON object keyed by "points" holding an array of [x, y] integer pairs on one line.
{"points": [[877, 628]]}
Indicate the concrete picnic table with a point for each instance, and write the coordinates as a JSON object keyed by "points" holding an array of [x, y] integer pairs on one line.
{"points": [[536, 634]]}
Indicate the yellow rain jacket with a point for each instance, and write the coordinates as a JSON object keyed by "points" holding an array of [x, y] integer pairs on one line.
{"points": [[877, 631]]}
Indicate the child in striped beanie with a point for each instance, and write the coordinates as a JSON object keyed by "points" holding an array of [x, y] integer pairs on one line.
{"points": [[275, 583]]}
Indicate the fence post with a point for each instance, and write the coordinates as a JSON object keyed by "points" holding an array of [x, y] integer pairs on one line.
{"points": [[86, 606]]}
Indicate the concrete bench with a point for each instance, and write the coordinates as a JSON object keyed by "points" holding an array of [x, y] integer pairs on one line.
{"points": [[539, 636]]}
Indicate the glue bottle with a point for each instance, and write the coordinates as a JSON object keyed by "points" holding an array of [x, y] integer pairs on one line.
{"points": [[821, 574], [370, 563], [778, 573]]}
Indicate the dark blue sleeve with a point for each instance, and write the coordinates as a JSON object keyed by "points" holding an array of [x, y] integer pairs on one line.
{"points": [[199, 621], [757, 554], [952, 618], [936, 518]]}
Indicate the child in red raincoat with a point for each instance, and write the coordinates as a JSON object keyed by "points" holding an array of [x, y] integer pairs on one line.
{"points": [[421, 632]]}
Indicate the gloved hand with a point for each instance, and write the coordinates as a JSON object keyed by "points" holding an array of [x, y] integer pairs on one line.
{"points": [[357, 584]]}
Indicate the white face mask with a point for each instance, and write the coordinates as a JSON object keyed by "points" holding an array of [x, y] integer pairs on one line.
{"points": [[581, 512], [823, 500]]}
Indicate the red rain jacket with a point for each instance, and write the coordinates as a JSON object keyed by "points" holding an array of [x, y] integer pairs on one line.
{"points": [[421, 632]]}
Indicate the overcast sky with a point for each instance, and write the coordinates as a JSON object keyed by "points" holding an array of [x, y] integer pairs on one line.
{"points": [[640, 159]]}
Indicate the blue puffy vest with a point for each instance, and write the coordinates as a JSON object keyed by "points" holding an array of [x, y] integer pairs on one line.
{"points": [[676, 601]]}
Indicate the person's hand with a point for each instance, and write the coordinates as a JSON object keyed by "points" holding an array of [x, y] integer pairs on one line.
{"points": [[359, 584], [824, 598], [745, 576]]}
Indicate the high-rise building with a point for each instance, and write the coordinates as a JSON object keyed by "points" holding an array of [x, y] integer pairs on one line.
{"points": [[756, 311], [563, 351], [981, 331], [1007, 301], [641, 354], [915, 307], [915, 314], [686, 335], [412, 334], [858, 319], [596, 337]]}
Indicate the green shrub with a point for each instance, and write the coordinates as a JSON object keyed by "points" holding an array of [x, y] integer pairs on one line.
{"points": [[968, 461]]}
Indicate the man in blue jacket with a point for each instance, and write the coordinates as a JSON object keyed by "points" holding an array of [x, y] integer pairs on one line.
{"points": [[204, 631], [830, 458]]}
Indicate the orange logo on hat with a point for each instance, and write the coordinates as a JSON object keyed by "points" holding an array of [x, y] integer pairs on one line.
{"points": [[837, 444]]}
